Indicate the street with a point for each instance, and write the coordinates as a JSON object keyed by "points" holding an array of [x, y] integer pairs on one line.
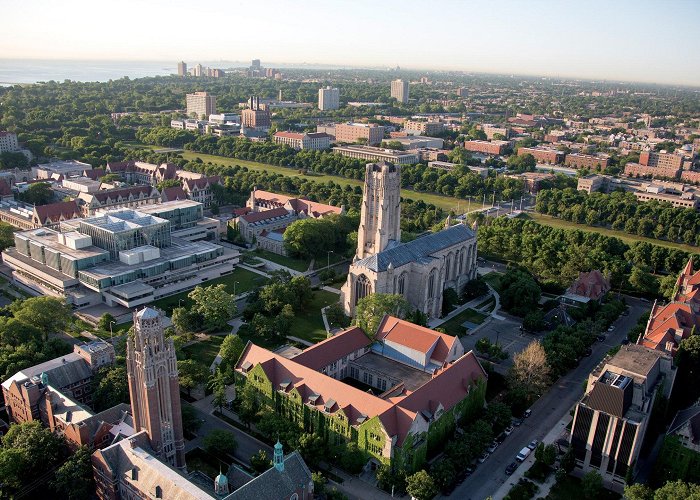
{"points": [[546, 412]]}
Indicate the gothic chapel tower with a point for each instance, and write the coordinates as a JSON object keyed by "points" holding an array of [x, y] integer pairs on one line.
{"points": [[381, 209], [153, 387]]}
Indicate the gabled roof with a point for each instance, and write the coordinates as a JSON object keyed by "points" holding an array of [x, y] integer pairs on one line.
{"points": [[420, 248], [264, 215], [173, 193], [333, 348], [665, 320], [123, 193], [57, 211], [275, 484], [591, 284], [416, 337], [191, 184], [690, 416]]}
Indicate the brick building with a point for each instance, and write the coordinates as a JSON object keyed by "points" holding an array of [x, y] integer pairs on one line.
{"points": [[313, 141], [487, 147], [543, 155], [353, 132], [639, 170], [591, 162]]}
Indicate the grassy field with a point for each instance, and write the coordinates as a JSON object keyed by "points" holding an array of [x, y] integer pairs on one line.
{"points": [[627, 238], [454, 326], [494, 279], [247, 280], [205, 351], [444, 202], [296, 264], [309, 325]]}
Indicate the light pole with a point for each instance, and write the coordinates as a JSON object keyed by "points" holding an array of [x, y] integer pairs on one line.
{"points": [[111, 334], [328, 256], [234, 287], [179, 303]]}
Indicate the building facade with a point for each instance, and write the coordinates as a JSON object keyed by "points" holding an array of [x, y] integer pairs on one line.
{"points": [[201, 104], [182, 68], [424, 127], [591, 162], [638, 170], [487, 147], [317, 141], [611, 420], [354, 132], [399, 90], [153, 387], [421, 383], [328, 98], [378, 154], [419, 270], [8, 142], [543, 155]]}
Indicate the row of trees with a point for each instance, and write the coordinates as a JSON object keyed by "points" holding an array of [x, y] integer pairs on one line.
{"points": [[556, 256], [622, 212]]}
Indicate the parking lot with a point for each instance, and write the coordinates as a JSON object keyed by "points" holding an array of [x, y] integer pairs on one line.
{"points": [[504, 331]]}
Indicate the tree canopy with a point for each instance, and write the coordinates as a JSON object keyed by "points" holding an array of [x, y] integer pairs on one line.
{"points": [[370, 310]]}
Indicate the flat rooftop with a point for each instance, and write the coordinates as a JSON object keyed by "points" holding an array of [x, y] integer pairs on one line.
{"points": [[411, 377], [49, 238], [168, 205], [122, 220]]}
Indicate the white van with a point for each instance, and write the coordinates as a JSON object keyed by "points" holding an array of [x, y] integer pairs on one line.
{"points": [[524, 453]]}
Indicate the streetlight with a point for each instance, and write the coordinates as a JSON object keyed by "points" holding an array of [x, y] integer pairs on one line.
{"points": [[179, 302], [111, 334], [328, 255], [234, 287]]}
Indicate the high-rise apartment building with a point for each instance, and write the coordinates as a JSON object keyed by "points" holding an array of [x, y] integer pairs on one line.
{"points": [[153, 387], [8, 142], [371, 133], [201, 104], [182, 68], [328, 98], [399, 90]]}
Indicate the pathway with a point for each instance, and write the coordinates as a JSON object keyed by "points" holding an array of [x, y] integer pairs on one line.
{"points": [[436, 322], [301, 341]]}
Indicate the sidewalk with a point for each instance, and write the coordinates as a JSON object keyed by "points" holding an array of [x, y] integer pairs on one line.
{"points": [[551, 437], [436, 322]]}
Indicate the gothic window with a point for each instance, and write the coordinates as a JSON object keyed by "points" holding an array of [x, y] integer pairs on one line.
{"points": [[461, 260], [159, 492], [431, 284], [448, 262], [402, 284], [455, 271], [362, 287]]}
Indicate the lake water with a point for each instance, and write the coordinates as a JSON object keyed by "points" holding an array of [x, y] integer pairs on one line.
{"points": [[13, 71]]}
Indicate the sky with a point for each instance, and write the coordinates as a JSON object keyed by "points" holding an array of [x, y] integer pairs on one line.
{"points": [[626, 40]]}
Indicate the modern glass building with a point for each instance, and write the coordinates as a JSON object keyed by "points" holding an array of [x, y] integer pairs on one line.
{"points": [[122, 257]]}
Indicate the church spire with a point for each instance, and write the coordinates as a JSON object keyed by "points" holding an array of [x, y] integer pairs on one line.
{"points": [[278, 459]]}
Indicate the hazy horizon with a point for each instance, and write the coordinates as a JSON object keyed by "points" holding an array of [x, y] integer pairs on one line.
{"points": [[596, 40]]}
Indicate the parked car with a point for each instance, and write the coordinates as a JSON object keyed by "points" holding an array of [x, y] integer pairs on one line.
{"points": [[492, 447], [517, 422], [611, 328], [524, 453], [533, 444], [483, 457], [588, 352], [508, 430], [601, 338], [502, 437], [527, 413], [511, 468]]}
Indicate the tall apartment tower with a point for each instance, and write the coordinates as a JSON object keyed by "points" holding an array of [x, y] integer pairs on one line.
{"points": [[154, 387], [328, 98], [380, 216], [182, 68], [399, 90], [201, 104]]}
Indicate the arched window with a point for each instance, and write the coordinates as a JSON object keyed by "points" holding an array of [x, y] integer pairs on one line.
{"points": [[448, 263], [159, 492], [456, 272], [402, 284], [461, 260], [362, 287], [431, 284]]}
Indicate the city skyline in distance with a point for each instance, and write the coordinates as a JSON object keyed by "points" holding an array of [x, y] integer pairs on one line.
{"points": [[622, 41]]}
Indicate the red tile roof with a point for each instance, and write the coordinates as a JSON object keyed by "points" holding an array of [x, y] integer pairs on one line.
{"points": [[592, 285], [264, 215], [416, 337], [173, 193], [290, 135], [113, 194], [56, 211], [299, 205], [201, 183], [333, 348]]}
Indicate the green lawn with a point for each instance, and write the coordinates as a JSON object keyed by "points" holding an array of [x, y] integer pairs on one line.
{"points": [[444, 202], [297, 264], [494, 279], [246, 280], [454, 326], [309, 325], [627, 238], [205, 351], [333, 258]]}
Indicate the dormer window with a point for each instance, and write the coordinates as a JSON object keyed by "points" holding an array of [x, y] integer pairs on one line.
{"points": [[313, 399], [329, 405], [284, 385]]}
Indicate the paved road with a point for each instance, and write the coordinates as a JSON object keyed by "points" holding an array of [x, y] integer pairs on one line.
{"points": [[546, 412]]}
